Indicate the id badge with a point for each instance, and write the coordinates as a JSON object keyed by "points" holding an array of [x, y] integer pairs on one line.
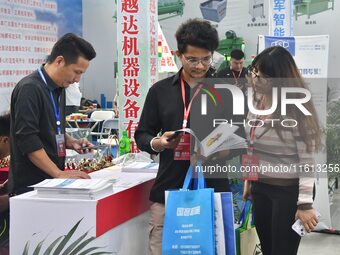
{"points": [[250, 165], [182, 151], [61, 148]]}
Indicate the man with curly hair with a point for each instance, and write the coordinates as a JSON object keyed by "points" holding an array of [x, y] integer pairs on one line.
{"points": [[163, 111]]}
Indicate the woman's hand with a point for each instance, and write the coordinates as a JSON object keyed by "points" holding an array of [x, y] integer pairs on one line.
{"points": [[308, 218]]}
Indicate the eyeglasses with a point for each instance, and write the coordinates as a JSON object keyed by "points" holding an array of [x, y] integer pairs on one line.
{"points": [[252, 73], [195, 61]]}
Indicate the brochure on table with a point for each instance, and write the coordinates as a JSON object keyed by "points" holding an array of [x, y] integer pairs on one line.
{"points": [[73, 188]]}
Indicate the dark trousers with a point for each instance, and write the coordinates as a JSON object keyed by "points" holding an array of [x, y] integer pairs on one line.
{"points": [[274, 209], [4, 232]]}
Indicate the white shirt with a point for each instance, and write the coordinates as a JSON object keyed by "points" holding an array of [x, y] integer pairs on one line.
{"points": [[73, 94]]}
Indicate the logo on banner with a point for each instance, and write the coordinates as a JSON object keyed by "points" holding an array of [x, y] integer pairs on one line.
{"points": [[238, 108], [286, 42], [239, 98]]}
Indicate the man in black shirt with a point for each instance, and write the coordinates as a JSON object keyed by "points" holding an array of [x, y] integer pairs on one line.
{"points": [[4, 135], [167, 109], [38, 139], [4, 200], [235, 73]]}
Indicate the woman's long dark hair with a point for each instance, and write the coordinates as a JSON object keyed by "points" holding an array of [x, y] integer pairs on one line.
{"points": [[277, 63]]}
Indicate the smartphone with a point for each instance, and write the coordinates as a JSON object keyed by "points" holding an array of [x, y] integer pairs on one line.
{"points": [[299, 228], [90, 148]]}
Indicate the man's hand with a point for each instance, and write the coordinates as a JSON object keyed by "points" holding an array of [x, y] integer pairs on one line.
{"points": [[72, 174], [79, 144], [41, 160], [172, 144], [308, 218]]}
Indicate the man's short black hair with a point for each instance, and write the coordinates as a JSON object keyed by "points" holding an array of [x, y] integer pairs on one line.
{"points": [[197, 32], [237, 54], [71, 47], [5, 125]]}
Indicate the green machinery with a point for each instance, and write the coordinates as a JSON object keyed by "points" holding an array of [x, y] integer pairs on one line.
{"points": [[170, 8], [228, 44], [311, 7]]}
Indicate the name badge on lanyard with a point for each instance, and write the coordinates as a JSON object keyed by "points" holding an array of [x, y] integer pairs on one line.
{"points": [[251, 162], [61, 147], [236, 79], [59, 137], [182, 151]]}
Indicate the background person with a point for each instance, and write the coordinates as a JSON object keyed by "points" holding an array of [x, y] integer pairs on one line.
{"points": [[235, 73]]}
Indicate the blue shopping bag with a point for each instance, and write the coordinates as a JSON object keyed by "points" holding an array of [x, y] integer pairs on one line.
{"points": [[189, 219], [224, 221]]}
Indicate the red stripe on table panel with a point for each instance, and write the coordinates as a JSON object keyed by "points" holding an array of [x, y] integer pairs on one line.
{"points": [[4, 174], [121, 207]]}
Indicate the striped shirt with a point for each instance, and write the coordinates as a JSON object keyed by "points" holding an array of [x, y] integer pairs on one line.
{"points": [[283, 161]]}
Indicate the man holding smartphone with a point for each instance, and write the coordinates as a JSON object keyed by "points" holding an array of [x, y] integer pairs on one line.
{"points": [[38, 139], [166, 109]]}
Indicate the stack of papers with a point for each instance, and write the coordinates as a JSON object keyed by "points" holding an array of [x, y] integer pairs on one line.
{"points": [[141, 167], [73, 188], [105, 174]]}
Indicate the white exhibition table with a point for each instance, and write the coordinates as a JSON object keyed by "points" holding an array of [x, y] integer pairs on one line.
{"points": [[117, 223]]}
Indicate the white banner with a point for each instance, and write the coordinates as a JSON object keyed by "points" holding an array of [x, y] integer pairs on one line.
{"points": [[311, 56], [137, 59], [280, 17]]}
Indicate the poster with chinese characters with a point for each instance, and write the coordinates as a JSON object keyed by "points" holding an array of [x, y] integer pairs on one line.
{"points": [[280, 18], [137, 59], [28, 31]]}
